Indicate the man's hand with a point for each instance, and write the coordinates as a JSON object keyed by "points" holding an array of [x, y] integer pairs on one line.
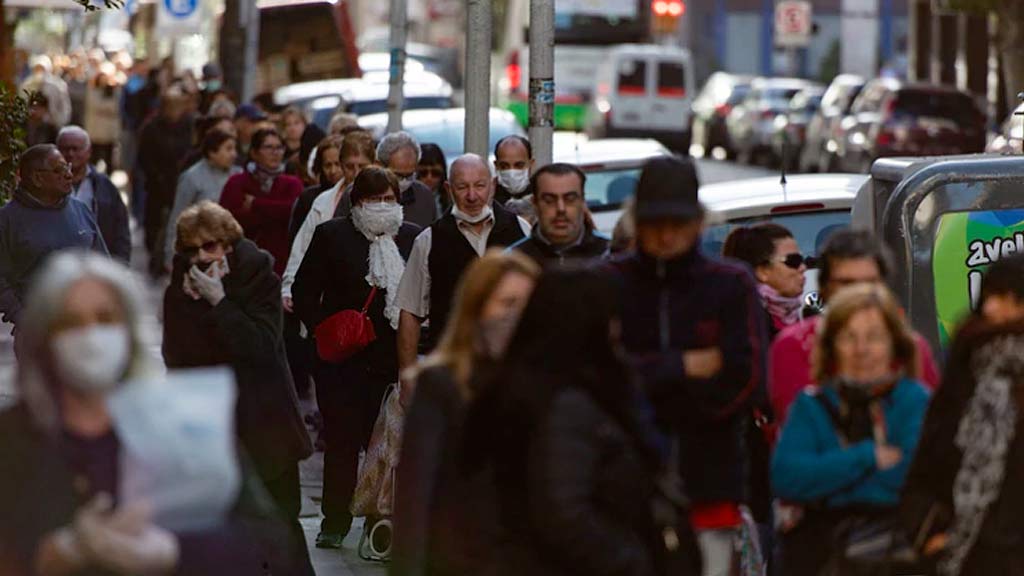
{"points": [[703, 363], [288, 304]]}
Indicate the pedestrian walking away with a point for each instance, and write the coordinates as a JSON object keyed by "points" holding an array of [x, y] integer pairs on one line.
{"points": [[562, 231], [354, 263], [41, 219], [695, 330], [846, 447], [442, 252], [446, 520], [223, 307]]}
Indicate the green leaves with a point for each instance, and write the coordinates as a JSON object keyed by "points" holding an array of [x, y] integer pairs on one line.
{"points": [[90, 5], [13, 117]]}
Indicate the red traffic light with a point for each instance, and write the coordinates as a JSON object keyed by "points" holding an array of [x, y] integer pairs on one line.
{"points": [[669, 8]]}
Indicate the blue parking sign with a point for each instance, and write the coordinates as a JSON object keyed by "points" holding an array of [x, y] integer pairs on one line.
{"points": [[181, 8]]}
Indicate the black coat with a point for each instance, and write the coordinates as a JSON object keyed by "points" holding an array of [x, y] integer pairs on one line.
{"points": [[999, 548], [111, 216], [332, 278], [588, 490], [243, 331], [591, 246], [301, 209]]}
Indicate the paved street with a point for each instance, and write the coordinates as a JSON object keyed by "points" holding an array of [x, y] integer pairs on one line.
{"points": [[335, 563]]}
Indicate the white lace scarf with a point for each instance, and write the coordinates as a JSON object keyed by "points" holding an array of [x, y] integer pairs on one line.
{"points": [[986, 431], [379, 223]]}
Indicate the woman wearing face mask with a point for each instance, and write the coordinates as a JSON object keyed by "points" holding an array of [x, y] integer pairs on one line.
{"points": [[352, 261], [444, 520], [203, 181], [774, 256], [572, 460], [60, 490], [847, 445], [261, 198], [223, 307], [432, 171]]}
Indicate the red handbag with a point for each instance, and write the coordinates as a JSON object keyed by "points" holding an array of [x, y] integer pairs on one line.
{"points": [[345, 333]]}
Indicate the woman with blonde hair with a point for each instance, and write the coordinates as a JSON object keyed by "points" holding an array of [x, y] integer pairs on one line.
{"points": [[443, 519], [846, 447]]}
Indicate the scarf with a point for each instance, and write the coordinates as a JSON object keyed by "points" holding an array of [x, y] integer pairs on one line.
{"points": [[379, 223], [264, 177], [785, 311], [986, 431]]}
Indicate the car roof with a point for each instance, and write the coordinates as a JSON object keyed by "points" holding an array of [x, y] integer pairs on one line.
{"points": [[592, 155], [379, 61], [758, 196], [369, 87], [797, 83]]}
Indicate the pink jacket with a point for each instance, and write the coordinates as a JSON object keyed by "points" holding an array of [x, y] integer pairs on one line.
{"points": [[789, 365]]}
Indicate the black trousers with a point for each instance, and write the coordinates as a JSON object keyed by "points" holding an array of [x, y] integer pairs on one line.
{"points": [[300, 354], [349, 395], [286, 493]]}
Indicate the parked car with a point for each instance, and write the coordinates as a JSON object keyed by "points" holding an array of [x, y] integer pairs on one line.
{"points": [[791, 126], [891, 118], [444, 127], [644, 91], [712, 106], [322, 99], [1010, 139], [751, 124], [819, 150]]}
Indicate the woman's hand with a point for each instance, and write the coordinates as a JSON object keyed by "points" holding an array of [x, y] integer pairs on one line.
{"points": [[887, 457], [702, 363], [208, 285], [247, 203], [288, 304], [935, 544]]}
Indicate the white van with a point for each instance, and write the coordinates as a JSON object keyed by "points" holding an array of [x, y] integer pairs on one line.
{"points": [[644, 91]]}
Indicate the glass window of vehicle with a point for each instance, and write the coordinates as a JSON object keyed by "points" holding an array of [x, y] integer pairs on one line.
{"points": [[870, 100], [953, 106], [608, 189], [671, 79], [810, 229], [449, 135], [805, 102], [633, 77], [739, 92]]}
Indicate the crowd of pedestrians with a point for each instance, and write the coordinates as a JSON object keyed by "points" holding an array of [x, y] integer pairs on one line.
{"points": [[572, 404]]}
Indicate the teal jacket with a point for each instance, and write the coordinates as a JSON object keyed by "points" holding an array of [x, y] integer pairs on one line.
{"points": [[810, 465]]}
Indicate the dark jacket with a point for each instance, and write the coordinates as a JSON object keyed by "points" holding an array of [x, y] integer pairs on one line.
{"points": [[266, 221], [586, 494], [303, 204], [332, 278], [927, 502], [445, 517], [46, 480], [29, 232], [688, 303], [111, 216], [163, 146], [502, 195], [590, 246], [243, 331]]}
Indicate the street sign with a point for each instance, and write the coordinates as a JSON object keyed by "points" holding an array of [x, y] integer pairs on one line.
{"points": [[178, 17], [793, 23]]}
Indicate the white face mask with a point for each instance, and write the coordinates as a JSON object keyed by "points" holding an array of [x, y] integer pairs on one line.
{"points": [[378, 218], [405, 183], [461, 216], [515, 181], [92, 359]]}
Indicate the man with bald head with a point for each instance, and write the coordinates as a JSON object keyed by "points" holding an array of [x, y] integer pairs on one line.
{"points": [[442, 251], [96, 191]]}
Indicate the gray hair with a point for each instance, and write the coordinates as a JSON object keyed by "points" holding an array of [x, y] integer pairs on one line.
{"points": [[45, 303], [74, 130], [393, 143], [222, 109]]}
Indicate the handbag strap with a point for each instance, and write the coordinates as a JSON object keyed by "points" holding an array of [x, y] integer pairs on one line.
{"points": [[369, 299]]}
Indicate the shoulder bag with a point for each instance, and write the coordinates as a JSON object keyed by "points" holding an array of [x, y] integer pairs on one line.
{"points": [[345, 333]]}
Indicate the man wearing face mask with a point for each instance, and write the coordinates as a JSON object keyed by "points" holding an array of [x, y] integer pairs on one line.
{"points": [[351, 262], [444, 250], [513, 189], [41, 218], [562, 231], [696, 333], [400, 153]]}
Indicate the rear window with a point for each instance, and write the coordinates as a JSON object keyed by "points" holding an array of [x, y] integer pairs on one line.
{"points": [[739, 92], [810, 229], [779, 94], [671, 79], [633, 77], [922, 103], [608, 189]]}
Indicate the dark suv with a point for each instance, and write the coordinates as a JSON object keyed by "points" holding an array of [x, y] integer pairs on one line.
{"points": [[890, 118]]}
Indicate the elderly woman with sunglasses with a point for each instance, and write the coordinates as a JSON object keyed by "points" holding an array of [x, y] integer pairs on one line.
{"points": [[223, 307]]}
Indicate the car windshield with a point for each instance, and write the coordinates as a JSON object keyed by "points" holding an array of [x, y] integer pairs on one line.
{"points": [[322, 116], [810, 229], [607, 189], [449, 136]]}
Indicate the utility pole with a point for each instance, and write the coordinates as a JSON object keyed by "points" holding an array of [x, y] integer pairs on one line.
{"points": [[249, 18], [6, 48], [396, 96], [542, 79], [478, 76]]}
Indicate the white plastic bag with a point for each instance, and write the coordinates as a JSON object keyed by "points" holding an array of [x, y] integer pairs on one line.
{"points": [[178, 447]]}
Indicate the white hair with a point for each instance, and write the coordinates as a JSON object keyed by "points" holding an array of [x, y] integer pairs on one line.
{"points": [[45, 303], [223, 109], [393, 143], [73, 130]]}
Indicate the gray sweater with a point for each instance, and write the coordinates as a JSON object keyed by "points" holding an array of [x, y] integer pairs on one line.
{"points": [[200, 182]]}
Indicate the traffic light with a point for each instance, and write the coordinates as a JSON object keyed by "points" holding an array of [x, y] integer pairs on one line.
{"points": [[666, 15]]}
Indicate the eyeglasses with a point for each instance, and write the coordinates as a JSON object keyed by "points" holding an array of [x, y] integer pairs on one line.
{"points": [[389, 199], [273, 148], [795, 261], [404, 176], [193, 251], [430, 173], [62, 168]]}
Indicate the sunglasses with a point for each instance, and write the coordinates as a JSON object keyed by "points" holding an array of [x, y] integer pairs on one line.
{"points": [[795, 261], [193, 251], [430, 173]]}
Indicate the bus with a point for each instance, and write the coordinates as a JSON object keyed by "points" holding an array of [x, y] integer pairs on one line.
{"points": [[584, 32], [305, 40]]}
